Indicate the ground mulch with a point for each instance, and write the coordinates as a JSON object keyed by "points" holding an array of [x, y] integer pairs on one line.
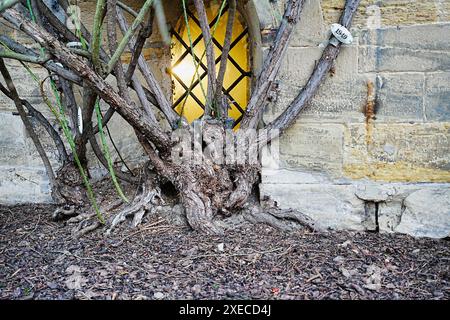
{"points": [[40, 260]]}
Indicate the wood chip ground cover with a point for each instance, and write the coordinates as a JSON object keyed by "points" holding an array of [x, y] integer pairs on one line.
{"points": [[39, 260]]}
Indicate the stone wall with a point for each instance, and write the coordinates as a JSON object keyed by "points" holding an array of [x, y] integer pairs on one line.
{"points": [[348, 166], [386, 168]]}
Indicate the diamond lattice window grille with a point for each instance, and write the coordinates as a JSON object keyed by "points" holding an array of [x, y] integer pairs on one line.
{"points": [[237, 78]]}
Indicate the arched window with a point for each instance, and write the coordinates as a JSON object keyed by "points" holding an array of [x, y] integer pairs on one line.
{"points": [[188, 92]]}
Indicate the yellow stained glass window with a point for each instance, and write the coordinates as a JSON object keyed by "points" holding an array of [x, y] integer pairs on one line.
{"points": [[191, 103]]}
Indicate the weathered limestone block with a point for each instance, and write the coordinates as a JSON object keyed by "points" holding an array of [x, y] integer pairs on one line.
{"points": [[313, 147], [126, 141], [310, 30], [303, 58], [341, 96], [390, 211], [390, 12], [332, 206], [374, 192], [389, 215], [24, 184], [437, 96], [13, 146], [424, 37], [287, 176], [426, 214], [400, 97], [416, 209], [26, 87], [397, 152], [397, 59], [419, 48], [17, 148], [337, 100], [299, 63]]}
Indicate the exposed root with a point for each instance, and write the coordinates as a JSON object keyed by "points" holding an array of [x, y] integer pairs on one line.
{"points": [[294, 216], [70, 185], [81, 217], [284, 220], [263, 217], [245, 178], [81, 230], [63, 212], [144, 203], [198, 210]]}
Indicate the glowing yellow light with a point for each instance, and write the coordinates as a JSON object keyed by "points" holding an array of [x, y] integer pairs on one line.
{"points": [[236, 81], [185, 71]]}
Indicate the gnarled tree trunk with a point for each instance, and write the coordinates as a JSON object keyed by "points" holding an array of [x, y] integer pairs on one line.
{"points": [[208, 188]]}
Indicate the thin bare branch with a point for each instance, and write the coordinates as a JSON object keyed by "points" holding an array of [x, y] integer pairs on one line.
{"points": [[153, 84], [132, 115], [329, 55], [29, 127], [146, 105], [128, 35], [161, 19], [121, 78], [36, 12], [143, 35], [272, 64], [8, 54], [224, 57], [127, 8], [69, 101], [210, 56], [44, 122]]}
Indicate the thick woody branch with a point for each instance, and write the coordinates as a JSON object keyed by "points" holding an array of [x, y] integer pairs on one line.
{"points": [[120, 76], [132, 115], [153, 84], [272, 64], [128, 35], [44, 122], [142, 36], [225, 53], [146, 97], [31, 56], [329, 55], [210, 57], [29, 126], [28, 55]]}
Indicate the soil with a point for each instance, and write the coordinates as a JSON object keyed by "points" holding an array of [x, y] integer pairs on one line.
{"points": [[40, 260]]}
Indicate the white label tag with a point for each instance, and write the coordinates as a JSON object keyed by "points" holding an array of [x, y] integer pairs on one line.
{"points": [[341, 33], [80, 120]]}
